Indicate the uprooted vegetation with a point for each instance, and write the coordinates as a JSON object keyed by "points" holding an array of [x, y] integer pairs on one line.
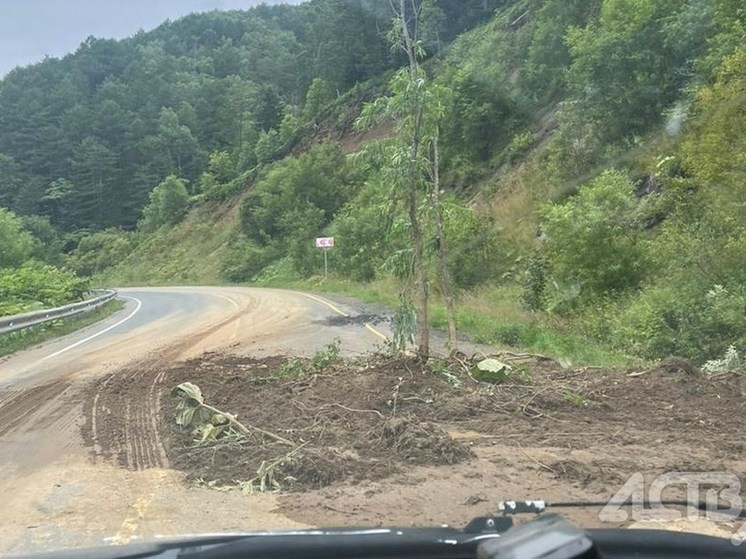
{"points": [[373, 417]]}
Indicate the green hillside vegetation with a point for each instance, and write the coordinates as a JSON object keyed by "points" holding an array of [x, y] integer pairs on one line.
{"points": [[26, 283], [590, 160]]}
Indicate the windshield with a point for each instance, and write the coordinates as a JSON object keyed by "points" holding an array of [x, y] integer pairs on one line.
{"points": [[297, 264]]}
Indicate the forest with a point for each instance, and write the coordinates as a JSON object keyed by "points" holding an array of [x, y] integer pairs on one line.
{"points": [[586, 155]]}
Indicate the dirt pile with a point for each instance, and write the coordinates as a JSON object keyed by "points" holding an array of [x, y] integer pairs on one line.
{"points": [[368, 419], [354, 421]]}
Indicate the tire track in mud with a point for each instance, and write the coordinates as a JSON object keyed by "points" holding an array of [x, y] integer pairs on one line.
{"points": [[121, 419], [117, 414], [21, 409], [123, 409]]}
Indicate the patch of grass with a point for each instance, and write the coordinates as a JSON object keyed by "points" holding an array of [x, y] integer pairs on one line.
{"points": [[187, 254], [293, 368], [323, 359], [383, 291], [490, 315], [493, 315], [575, 398], [326, 357], [24, 339]]}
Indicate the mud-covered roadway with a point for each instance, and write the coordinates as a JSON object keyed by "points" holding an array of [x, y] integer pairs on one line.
{"points": [[89, 453], [58, 492]]}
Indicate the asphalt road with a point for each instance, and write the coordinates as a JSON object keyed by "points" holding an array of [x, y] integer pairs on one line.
{"points": [[55, 495], [188, 321], [58, 491]]}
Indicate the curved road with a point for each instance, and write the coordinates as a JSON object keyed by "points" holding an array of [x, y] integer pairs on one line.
{"points": [[181, 322], [56, 496]]}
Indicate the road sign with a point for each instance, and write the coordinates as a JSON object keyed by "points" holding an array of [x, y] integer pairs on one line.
{"points": [[324, 242]]}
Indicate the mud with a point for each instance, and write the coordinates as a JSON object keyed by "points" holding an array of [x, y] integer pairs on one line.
{"points": [[374, 441], [367, 420], [357, 319]]}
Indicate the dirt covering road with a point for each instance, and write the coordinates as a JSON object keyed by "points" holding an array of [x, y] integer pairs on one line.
{"points": [[95, 456], [381, 441]]}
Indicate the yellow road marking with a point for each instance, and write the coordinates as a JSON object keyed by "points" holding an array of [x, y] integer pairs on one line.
{"points": [[327, 303], [341, 312], [140, 507], [132, 522], [376, 332]]}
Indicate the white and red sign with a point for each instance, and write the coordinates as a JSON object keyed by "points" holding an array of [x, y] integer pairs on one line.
{"points": [[324, 242]]}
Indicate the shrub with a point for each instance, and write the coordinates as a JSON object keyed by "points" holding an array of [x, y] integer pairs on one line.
{"points": [[362, 233], [32, 287], [591, 240], [473, 255], [100, 250], [689, 322], [243, 260], [15, 243], [534, 283], [169, 202]]}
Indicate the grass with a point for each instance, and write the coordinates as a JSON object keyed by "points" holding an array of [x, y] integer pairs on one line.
{"points": [[489, 315], [190, 253], [23, 339], [187, 254]]}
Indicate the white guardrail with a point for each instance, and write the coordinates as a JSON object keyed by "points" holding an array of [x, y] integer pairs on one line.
{"points": [[17, 322]]}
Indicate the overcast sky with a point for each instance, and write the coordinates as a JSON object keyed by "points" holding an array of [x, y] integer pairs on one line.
{"points": [[32, 29]]}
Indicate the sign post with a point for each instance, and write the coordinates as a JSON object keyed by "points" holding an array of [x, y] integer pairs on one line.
{"points": [[325, 243]]}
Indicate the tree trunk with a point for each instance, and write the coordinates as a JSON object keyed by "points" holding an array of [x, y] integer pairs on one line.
{"points": [[423, 325], [445, 276]]}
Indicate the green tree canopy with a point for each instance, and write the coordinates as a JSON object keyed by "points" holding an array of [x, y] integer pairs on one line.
{"points": [[169, 202], [15, 243]]}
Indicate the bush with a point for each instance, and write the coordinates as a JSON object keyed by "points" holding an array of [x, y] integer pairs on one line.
{"points": [[294, 203], [318, 179], [591, 243], [38, 287], [16, 244], [99, 251], [689, 322], [243, 260], [473, 255], [169, 202], [534, 283], [361, 230]]}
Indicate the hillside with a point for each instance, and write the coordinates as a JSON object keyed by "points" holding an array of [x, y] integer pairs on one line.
{"points": [[589, 157], [84, 139]]}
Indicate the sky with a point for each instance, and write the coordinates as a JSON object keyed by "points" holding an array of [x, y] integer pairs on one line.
{"points": [[33, 29]]}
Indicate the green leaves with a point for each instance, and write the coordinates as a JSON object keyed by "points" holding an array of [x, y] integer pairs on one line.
{"points": [[169, 202], [591, 240], [404, 326], [294, 202], [15, 243], [38, 287], [208, 425], [100, 250], [190, 411]]}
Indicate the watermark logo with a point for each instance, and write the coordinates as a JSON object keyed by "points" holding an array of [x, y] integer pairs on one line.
{"points": [[715, 496], [740, 536]]}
